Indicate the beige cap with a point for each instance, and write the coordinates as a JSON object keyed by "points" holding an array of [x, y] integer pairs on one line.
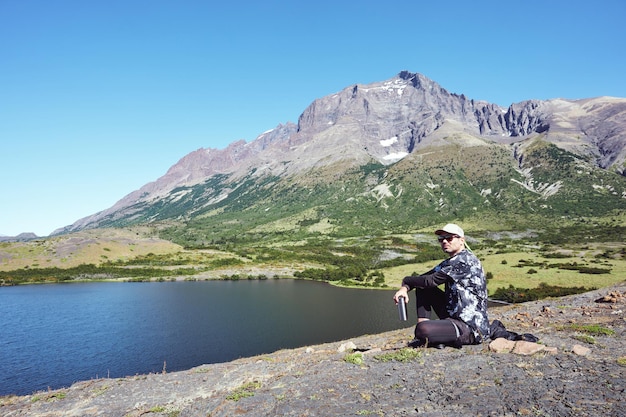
{"points": [[450, 229]]}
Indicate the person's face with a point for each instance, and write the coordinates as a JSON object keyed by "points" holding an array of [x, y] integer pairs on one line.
{"points": [[451, 244]]}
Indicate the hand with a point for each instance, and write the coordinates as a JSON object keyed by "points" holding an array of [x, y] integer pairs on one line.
{"points": [[402, 292]]}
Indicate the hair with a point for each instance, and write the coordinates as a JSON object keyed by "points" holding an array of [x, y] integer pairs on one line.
{"points": [[467, 245]]}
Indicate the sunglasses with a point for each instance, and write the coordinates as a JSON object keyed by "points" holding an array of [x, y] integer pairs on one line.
{"points": [[448, 238]]}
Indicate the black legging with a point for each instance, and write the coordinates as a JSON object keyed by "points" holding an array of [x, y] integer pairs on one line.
{"points": [[446, 330]]}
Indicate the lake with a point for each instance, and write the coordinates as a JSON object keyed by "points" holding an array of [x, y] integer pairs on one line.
{"points": [[56, 334]]}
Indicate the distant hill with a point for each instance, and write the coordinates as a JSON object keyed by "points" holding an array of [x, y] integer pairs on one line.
{"points": [[389, 157], [22, 237]]}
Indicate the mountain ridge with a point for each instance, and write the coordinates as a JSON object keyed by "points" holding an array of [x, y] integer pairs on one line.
{"points": [[22, 237], [380, 123]]}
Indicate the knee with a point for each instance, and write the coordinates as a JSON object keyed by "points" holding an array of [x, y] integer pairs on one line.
{"points": [[421, 331]]}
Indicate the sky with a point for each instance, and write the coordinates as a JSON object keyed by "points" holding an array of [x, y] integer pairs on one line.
{"points": [[100, 97]]}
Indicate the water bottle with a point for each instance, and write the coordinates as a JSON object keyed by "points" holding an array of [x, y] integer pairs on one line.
{"points": [[402, 308]]}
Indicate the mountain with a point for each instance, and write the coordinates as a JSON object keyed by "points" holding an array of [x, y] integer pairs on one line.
{"points": [[388, 155], [22, 237]]}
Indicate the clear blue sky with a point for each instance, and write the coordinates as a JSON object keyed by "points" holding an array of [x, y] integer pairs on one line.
{"points": [[98, 98]]}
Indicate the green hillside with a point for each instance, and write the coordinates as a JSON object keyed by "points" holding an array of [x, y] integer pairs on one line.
{"points": [[482, 185], [537, 216]]}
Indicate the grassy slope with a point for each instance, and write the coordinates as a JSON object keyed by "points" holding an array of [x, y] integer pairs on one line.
{"points": [[85, 247], [501, 260], [509, 274], [263, 222]]}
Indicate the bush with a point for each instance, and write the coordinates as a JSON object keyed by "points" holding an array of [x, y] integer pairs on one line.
{"points": [[519, 295]]}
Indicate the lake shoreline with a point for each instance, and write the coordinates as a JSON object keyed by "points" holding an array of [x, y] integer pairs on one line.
{"points": [[319, 380], [62, 333]]}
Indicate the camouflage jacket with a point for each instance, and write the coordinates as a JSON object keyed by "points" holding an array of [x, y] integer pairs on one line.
{"points": [[465, 290]]}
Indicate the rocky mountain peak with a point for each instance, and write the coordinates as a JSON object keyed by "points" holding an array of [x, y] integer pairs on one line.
{"points": [[388, 120]]}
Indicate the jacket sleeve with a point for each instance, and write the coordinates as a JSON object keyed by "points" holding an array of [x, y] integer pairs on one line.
{"points": [[429, 279]]}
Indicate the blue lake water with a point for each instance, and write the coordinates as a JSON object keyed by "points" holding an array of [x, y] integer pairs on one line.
{"points": [[54, 335]]}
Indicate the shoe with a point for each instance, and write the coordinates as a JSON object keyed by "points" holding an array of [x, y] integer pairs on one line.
{"points": [[527, 337], [415, 343]]}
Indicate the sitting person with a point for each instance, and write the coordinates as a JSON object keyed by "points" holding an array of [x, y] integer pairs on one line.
{"points": [[461, 307]]}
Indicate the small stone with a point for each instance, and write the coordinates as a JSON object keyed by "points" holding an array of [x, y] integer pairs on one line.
{"points": [[501, 345], [551, 350], [523, 347], [612, 297], [581, 350], [346, 346]]}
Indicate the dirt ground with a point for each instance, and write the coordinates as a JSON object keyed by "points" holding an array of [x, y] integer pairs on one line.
{"points": [[581, 374]]}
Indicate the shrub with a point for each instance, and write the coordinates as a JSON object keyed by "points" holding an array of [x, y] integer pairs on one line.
{"points": [[520, 295]]}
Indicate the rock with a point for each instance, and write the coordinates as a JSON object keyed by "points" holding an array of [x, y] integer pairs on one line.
{"points": [[520, 347], [523, 316], [527, 348], [346, 347], [581, 350], [551, 350], [612, 297], [501, 345]]}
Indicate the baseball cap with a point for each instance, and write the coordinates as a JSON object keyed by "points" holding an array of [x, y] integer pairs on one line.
{"points": [[450, 229]]}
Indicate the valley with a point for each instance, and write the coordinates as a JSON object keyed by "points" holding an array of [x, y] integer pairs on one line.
{"points": [[522, 259]]}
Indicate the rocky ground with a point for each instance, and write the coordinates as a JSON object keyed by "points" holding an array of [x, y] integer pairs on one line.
{"points": [[578, 370]]}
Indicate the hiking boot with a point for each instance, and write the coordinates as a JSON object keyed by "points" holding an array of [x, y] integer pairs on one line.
{"points": [[415, 343]]}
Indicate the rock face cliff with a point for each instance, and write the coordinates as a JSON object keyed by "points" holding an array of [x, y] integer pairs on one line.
{"points": [[384, 122]]}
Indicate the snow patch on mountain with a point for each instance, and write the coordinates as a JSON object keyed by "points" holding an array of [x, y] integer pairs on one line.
{"points": [[396, 156], [389, 142]]}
